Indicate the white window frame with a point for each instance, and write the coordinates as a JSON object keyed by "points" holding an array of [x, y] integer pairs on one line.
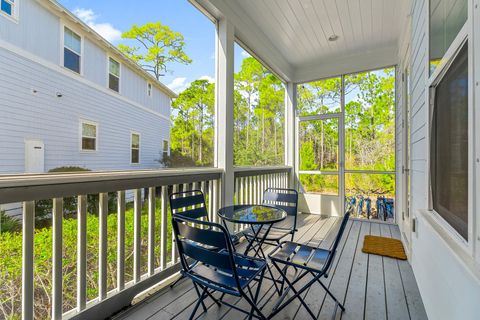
{"points": [[119, 73], [62, 47], [139, 147], [149, 89], [465, 34], [15, 10], [82, 122], [168, 148]]}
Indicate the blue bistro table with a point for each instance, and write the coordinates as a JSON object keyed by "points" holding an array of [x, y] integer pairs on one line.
{"points": [[261, 218]]}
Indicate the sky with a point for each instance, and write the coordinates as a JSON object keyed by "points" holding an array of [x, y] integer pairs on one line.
{"points": [[110, 19]]}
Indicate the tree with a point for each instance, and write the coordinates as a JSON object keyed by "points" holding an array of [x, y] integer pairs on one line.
{"points": [[157, 46], [192, 130]]}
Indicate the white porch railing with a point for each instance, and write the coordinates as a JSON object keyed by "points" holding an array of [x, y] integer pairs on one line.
{"points": [[142, 213], [250, 182]]}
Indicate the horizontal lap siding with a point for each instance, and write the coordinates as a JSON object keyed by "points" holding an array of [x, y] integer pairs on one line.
{"points": [[419, 109], [56, 120], [37, 31]]}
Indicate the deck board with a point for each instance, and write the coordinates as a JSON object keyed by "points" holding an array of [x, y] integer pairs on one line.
{"points": [[371, 287]]}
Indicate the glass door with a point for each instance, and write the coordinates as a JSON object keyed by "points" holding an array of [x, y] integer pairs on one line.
{"points": [[319, 164]]}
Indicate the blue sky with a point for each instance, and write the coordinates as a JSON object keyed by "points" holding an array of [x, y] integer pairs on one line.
{"points": [[110, 19]]}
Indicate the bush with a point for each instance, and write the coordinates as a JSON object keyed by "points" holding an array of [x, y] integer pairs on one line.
{"points": [[11, 262], [8, 224], [43, 208]]}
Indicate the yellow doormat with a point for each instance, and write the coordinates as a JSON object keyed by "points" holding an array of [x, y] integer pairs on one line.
{"points": [[382, 246]]}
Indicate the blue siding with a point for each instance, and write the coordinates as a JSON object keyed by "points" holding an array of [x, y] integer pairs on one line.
{"points": [[56, 121]]}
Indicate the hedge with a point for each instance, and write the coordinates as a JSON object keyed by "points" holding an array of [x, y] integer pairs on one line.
{"points": [[11, 262]]}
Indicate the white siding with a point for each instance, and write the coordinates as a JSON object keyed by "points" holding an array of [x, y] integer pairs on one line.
{"points": [[449, 288], [56, 120]]}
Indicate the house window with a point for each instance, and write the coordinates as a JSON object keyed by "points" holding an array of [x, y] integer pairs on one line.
{"points": [[113, 75], [449, 145], [447, 18], [8, 7], [149, 89], [89, 136], [72, 50], [135, 148], [165, 149]]}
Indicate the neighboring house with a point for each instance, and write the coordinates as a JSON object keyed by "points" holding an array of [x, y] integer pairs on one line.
{"points": [[70, 98]]}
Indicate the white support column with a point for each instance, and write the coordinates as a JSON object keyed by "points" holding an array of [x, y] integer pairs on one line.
{"points": [[290, 130], [224, 109]]}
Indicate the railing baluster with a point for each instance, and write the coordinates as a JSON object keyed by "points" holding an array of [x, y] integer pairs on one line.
{"points": [[203, 189], [137, 233], [151, 230], [102, 248], [120, 240], [210, 200], [236, 191], [57, 258], [242, 191], [250, 190], [216, 199], [27, 259], [163, 228], [174, 246], [81, 252]]}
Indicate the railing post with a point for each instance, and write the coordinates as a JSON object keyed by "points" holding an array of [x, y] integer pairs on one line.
{"points": [[57, 258], [27, 259], [290, 130], [224, 108]]}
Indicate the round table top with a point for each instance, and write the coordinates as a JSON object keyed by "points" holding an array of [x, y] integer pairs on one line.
{"points": [[252, 214]]}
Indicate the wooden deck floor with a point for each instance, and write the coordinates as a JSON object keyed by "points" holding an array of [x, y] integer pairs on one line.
{"points": [[371, 287]]}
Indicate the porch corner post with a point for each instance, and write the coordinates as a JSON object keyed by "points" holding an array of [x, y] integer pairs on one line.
{"points": [[290, 130], [224, 105]]}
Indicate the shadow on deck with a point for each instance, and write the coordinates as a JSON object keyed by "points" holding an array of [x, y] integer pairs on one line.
{"points": [[370, 286]]}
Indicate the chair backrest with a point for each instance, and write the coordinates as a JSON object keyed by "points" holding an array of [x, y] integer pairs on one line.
{"points": [[205, 242], [190, 204], [286, 199], [341, 230]]}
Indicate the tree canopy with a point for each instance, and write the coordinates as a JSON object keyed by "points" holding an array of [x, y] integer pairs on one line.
{"points": [[157, 46]]}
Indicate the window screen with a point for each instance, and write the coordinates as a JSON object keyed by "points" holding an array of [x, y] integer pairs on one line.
{"points": [[449, 145]]}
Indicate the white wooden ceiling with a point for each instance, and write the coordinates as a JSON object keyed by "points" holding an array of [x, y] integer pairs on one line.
{"points": [[368, 31]]}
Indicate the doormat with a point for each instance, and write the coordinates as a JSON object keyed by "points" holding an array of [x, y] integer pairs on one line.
{"points": [[382, 246]]}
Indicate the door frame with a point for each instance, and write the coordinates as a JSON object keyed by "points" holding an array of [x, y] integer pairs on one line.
{"points": [[406, 216], [341, 152]]}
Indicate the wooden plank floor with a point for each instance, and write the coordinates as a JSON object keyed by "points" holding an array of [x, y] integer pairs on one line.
{"points": [[371, 287]]}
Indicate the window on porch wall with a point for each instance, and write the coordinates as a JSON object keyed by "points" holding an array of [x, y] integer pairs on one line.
{"points": [[259, 113]]}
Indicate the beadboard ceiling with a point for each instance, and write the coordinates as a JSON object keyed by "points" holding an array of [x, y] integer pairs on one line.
{"points": [[298, 30]]}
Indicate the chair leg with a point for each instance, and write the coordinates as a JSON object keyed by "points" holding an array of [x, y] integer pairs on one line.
{"points": [[331, 295], [257, 293], [254, 308], [176, 281], [295, 296], [201, 297]]}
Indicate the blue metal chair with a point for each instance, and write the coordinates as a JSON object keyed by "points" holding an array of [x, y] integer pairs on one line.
{"points": [[220, 270], [191, 204], [306, 260], [286, 199]]}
